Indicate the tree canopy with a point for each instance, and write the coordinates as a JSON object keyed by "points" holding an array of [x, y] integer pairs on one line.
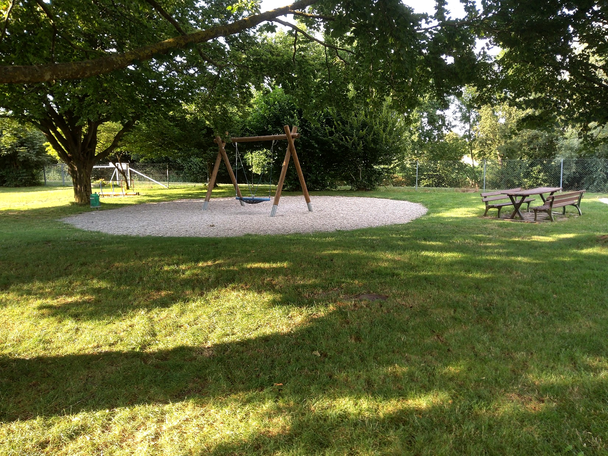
{"points": [[554, 56], [68, 66]]}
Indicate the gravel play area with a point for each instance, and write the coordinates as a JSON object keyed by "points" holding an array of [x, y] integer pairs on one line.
{"points": [[225, 217]]}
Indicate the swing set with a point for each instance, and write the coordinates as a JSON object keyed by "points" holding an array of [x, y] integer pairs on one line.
{"points": [[290, 135]]}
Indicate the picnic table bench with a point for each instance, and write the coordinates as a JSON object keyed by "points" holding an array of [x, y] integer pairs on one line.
{"points": [[560, 200], [499, 199]]}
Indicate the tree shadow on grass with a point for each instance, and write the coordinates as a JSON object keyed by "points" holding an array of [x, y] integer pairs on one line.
{"points": [[98, 277], [443, 360], [368, 372]]}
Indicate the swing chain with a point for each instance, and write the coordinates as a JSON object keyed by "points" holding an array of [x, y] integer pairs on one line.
{"points": [[238, 162]]}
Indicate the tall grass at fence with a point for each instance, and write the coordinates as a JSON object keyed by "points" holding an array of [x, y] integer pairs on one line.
{"points": [[453, 334]]}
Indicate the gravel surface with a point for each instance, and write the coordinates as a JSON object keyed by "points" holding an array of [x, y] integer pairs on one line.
{"points": [[225, 217]]}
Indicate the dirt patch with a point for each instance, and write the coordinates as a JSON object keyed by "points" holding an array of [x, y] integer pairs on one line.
{"points": [[225, 217]]}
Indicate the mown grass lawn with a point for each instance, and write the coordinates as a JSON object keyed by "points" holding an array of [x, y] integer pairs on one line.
{"points": [[453, 334]]}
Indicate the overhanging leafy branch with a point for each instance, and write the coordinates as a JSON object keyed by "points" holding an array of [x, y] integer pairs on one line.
{"points": [[20, 74]]}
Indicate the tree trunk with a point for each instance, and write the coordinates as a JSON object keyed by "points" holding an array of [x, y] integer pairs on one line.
{"points": [[76, 146], [81, 176], [121, 171]]}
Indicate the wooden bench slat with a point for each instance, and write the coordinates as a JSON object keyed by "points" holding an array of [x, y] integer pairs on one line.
{"points": [[566, 202], [500, 192], [495, 198], [563, 195], [494, 206]]}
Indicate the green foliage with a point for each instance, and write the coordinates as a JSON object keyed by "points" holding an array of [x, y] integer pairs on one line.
{"points": [[522, 173], [499, 135], [497, 126], [270, 112], [258, 161], [67, 31], [442, 174], [427, 137], [178, 134], [22, 154], [191, 169], [532, 144], [370, 141], [586, 173], [553, 59], [357, 147]]}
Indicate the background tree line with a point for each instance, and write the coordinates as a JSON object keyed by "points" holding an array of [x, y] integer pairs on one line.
{"points": [[368, 83]]}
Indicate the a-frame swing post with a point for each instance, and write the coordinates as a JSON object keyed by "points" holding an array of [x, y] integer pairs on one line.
{"points": [[296, 162], [291, 151], [221, 155], [277, 193]]}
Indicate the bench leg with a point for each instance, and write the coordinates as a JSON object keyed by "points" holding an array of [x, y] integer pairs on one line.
{"points": [[499, 209], [516, 205], [550, 211], [578, 209], [486, 212], [535, 214]]}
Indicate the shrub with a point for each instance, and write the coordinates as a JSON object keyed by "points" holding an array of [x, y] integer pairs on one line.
{"points": [[22, 154]]}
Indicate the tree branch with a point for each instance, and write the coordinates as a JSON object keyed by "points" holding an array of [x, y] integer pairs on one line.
{"points": [[310, 37], [104, 154], [54, 138], [313, 16], [160, 10], [52, 20], [5, 25], [20, 74], [91, 134]]}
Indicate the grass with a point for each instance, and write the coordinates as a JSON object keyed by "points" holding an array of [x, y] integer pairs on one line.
{"points": [[453, 334]]}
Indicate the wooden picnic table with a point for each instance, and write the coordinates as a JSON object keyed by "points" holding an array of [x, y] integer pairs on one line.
{"points": [[518, 197]]}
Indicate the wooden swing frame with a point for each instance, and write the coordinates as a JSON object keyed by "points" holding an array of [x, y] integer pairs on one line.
{"points": [[290, 135]]}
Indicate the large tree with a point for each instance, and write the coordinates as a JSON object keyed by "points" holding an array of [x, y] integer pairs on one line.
{"points": [[71, 65], [70, 111]]}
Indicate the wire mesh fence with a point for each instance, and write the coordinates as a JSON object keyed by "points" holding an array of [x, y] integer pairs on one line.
{"points": [[571, 174], [589, 174], [110, 178]]}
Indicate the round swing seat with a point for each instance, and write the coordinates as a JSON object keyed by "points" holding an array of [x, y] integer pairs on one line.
{"points": [[252, 199]]}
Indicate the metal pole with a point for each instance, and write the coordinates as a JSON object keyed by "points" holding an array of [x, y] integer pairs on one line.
{"points": [[149, 178], [167, 175], [561, 173], [62, 175], [484, 174], [416, 174], [44, 173]]}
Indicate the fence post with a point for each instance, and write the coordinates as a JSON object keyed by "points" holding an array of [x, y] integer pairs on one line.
{"points": [[62, 175], [561, 173], [168, 175], [484, 174], [44, 173], [416, 174]]}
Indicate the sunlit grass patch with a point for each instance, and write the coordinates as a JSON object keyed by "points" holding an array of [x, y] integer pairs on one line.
{"points": [[453, 334]]}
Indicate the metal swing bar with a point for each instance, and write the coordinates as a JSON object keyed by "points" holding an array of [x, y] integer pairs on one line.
{"points": [[290, 135]]}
